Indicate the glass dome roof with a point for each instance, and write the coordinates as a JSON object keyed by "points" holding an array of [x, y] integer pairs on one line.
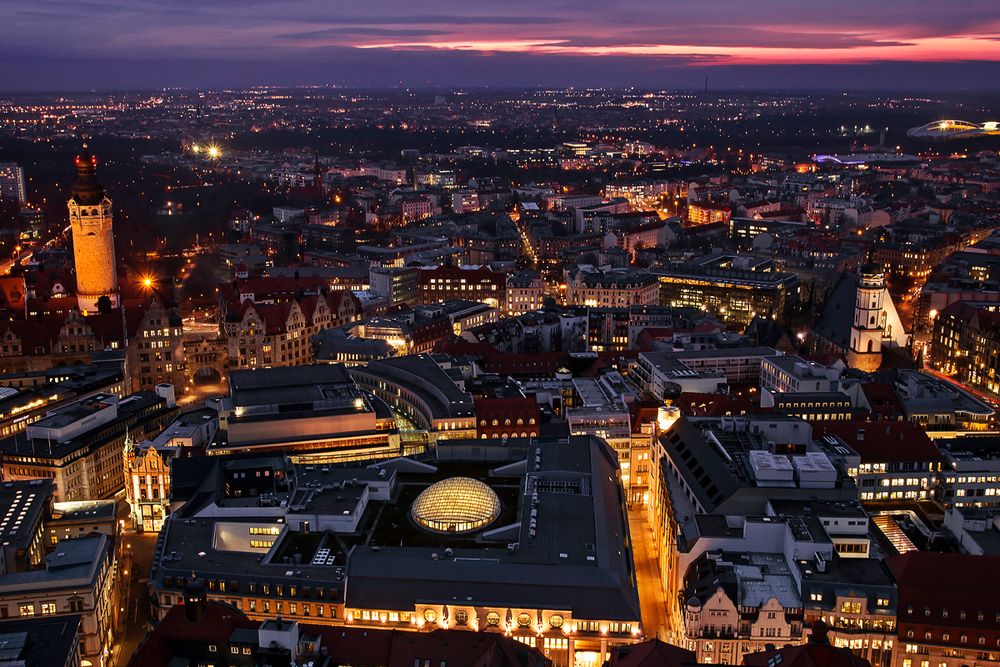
{"points": [[456, 505]]}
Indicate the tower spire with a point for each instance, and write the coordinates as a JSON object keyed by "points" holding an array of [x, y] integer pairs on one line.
{"points": [[87, 190]]}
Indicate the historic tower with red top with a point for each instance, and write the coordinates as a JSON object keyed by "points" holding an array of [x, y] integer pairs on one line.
{"points": [[93, 238]]}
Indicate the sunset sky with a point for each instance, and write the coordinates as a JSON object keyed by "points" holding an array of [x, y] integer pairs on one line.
{"points": [[895, 44]]}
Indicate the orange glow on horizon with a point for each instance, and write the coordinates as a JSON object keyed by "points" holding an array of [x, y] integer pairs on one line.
{"points": [[951, 48]]}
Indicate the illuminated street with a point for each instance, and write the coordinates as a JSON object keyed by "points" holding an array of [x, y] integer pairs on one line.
{"points": [[651, 594]]}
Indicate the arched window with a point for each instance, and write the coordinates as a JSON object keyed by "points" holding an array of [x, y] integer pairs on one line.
{"points": [[870, 344]]}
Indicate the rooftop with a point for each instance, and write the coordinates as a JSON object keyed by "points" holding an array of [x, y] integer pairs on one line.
{"points": [[555, 501]]}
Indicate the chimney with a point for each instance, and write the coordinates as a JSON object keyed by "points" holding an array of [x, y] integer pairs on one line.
{"points": [[820, 634], [195, 601]]}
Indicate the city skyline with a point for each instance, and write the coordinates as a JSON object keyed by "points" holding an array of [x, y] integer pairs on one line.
{"points": [[524, 334], [772, 44]]}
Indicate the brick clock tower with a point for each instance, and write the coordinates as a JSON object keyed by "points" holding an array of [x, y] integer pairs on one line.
{"points": [[868, 328], [93, 238]]}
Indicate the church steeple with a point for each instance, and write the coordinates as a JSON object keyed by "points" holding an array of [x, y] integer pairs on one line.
{"points": [[868, 329]]}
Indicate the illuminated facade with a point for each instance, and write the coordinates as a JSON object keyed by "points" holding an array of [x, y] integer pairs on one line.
{"points": [[473, 283], [525, 292], [734, 295], [856, 598], [966, 344], [590, 286], [316, 413], [271, 331], [156, 350], [147, 466], [706, 213]]}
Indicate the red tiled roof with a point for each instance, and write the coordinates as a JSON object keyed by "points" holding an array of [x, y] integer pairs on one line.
{"points": [[806, 655], [453, 272], [643, 412], [501, 408], [264, 287], [651, 653], [713, 405], [951, 594], [882, 400], [274, 315], [882, 441], [43, 281], [215, 627], [12, 292], [398, 648]]}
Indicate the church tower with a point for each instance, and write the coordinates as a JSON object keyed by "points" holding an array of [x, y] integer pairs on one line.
{"points": [[868, 329], [93, 238]]}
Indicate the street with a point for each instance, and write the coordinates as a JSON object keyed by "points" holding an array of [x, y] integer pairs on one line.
{"points": [[652, 600], [136, 561], [195, 396]]}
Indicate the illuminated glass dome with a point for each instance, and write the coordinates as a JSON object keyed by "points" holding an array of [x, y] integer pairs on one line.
{"points": [[456, 505]]}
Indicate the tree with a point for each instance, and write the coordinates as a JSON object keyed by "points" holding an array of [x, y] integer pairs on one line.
{"points": [[104, 304]]}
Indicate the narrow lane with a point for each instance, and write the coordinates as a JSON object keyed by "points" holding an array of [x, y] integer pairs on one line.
{"points": [[652, 600]]}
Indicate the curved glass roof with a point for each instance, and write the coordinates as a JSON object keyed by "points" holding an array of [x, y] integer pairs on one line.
{"points": [[456, 505]]}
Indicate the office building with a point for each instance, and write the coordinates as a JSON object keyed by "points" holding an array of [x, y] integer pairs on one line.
{"points": [[610, 288], [79, 581], [734, 289], [12, 183], [318, 412], [41, 642], [79, 446], [947, 609]]}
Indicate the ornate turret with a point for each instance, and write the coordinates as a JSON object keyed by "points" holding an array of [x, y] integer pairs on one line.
{"points": [[87, 190]]}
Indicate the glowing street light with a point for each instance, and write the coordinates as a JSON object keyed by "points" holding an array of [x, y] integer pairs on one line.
{"points": [[213, 151]]}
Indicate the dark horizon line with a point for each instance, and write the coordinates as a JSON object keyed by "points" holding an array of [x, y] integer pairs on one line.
{"points": [[748, 89]]}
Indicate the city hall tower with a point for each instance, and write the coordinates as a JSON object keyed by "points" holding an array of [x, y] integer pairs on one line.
{"points": [[93, 238]]}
